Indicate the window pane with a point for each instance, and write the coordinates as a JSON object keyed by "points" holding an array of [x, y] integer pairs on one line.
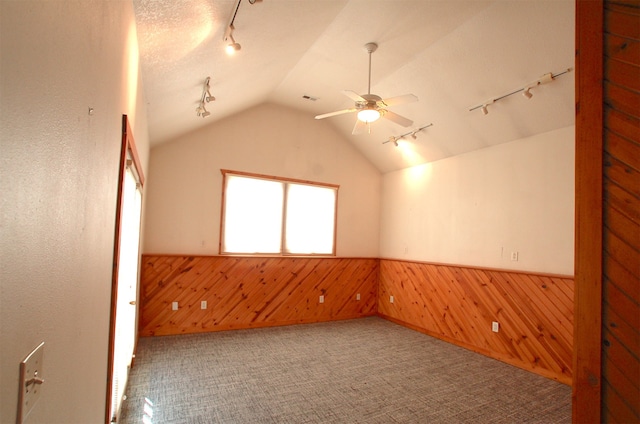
{"points": [[310, 219], [252, 215]]}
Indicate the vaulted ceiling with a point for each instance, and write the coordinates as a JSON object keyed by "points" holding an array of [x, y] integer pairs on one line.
{"points": [[453, 55]]}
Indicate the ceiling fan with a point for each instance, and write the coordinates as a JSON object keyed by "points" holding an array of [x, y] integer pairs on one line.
{"points": [[370, 107]]}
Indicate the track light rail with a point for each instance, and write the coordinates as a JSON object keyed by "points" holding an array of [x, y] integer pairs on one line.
{"points": [[525, 90], [413, 134]]}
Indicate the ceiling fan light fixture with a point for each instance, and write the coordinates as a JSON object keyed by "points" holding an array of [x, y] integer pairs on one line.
{"points": [[368, 115], [370, 107]]}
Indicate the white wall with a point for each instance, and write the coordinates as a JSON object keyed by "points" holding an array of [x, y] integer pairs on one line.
{"points": [[185, 183], [59, 169], [477, 208]]}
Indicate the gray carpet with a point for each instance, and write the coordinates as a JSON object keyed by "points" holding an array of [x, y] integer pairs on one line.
{"points": [[358, 371]]}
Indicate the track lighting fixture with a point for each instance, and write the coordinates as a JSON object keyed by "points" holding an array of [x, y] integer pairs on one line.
{"points": [[232, 46], [207, 97], [202, 111], [413, 134], [526, 90], [485, 106]]}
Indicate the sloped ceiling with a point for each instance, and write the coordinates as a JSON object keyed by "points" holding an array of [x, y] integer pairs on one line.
{"points": [[453, 55]]}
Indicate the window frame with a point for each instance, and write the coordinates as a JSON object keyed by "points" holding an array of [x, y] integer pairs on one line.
{"points": [[285, 181]]}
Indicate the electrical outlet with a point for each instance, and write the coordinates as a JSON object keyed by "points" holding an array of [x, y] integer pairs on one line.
{"points": [[495, 327], [390, 299], [514, 256], [174, 306], [358, 296], [203, 304], [321, 299]]}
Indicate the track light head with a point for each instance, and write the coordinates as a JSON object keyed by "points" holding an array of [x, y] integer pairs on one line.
{"points": [[393, 139], [233, 46], [546, 78], [202, 111], [485, 111], [527, 93], [205, 97]]}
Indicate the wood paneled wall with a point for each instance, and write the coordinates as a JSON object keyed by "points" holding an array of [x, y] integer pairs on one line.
{"points": [[621, 214], [459, 304], [245, 292], [456, 304]]}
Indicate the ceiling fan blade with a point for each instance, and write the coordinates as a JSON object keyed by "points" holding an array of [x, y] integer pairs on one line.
{"points": [[359, 127], [339, 112], [353, 96], [399, 100], [400, 120]]}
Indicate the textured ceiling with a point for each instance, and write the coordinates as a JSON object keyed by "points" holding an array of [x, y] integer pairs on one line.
{"points": [[453, 55]]}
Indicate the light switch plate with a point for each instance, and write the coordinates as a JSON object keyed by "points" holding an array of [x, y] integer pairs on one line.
{"points": [[31, 380]]}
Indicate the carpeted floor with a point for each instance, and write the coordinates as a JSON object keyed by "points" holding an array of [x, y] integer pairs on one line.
{"points": [[359, 371]]}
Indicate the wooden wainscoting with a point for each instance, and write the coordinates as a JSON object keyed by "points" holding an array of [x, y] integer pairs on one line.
{"points": [[246, 292], [459, 304]]}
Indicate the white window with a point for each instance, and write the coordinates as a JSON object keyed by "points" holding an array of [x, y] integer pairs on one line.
{"points": [[270, 215]]}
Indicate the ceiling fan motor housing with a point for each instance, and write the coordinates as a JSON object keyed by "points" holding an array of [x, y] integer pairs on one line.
{"points": [[371, 102]]}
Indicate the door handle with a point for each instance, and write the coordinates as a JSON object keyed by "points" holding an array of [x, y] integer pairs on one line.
{"points": [[133, 302]]}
